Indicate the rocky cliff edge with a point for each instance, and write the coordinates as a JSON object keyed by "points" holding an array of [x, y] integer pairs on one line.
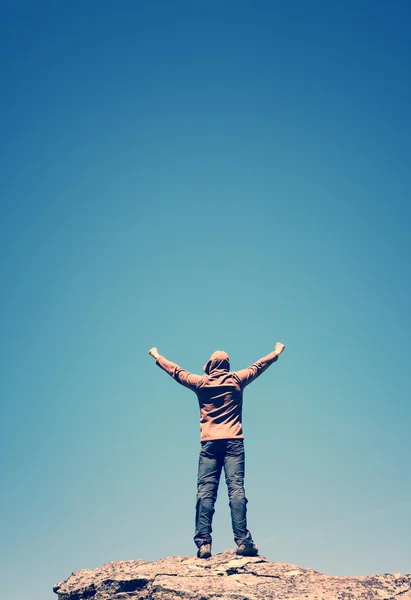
{"points": [[227, 577]]}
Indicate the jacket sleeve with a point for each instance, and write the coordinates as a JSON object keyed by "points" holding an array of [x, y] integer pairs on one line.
{"points": [[248, 375], [189, 380]]}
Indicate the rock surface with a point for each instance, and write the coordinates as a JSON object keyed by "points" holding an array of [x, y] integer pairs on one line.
{"points": [[227, 577]]}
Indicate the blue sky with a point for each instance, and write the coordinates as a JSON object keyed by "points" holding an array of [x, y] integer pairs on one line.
{"points": [[200, 176]]}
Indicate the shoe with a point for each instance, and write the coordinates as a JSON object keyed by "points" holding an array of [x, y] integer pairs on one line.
{"points": [[204, 551], [247, 549]]}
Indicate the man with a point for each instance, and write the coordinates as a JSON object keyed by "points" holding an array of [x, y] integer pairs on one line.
{"points": [[220, 396]]}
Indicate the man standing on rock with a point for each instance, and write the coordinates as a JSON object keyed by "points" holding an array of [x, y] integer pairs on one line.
{"points": [[220, 396]]}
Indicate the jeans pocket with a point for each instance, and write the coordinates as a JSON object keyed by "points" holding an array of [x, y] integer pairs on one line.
{"points": [[207, 449], [235, 447]]}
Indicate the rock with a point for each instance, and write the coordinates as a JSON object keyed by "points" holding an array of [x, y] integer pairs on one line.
{"points": [[224, 576]]}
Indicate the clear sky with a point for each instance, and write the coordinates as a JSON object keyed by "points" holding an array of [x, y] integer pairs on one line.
{"points": [[202, 175]]}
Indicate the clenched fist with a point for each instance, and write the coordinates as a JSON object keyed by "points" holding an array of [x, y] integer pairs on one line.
{"points": [[279, 348], [154, 352]]}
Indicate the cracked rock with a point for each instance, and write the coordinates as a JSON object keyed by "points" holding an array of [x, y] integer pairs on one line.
{"points": [[224, 577]]}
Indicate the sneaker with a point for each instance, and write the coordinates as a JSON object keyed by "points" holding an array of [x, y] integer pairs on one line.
{"points": [[249, 549], [204, 551]]}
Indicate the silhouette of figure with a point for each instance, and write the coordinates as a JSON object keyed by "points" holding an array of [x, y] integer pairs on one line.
{"points": [[220, 397]]}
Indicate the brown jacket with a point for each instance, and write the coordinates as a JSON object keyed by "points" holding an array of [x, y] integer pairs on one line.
{"points": [[219, 392]]}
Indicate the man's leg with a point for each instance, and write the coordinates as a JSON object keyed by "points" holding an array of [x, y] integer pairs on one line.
{"points": [[210, 464], [234, 467]]}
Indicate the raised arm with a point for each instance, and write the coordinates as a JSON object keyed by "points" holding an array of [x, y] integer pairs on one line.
{"points": [[180, 375], [248, 375]]}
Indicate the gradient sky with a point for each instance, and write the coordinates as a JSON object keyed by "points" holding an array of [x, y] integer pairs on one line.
{"points": [[202, 175]]}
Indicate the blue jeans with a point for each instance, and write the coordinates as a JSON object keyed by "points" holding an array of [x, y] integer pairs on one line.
{"points": [[215, 455]]}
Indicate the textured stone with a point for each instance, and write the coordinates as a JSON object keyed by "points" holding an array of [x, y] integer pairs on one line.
{"points": [[226, 577]]}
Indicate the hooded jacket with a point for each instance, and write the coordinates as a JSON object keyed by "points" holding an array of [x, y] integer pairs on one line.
{"points": [[219, 392]]}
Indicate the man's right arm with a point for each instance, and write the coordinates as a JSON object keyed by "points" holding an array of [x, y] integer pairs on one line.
{"points": [[248, 375]]}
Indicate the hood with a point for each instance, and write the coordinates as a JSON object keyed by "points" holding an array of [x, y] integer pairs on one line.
{"points": [[219, 361]]}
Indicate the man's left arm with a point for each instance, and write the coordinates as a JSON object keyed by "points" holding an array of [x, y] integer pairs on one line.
{"points": [[189, 380]]}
